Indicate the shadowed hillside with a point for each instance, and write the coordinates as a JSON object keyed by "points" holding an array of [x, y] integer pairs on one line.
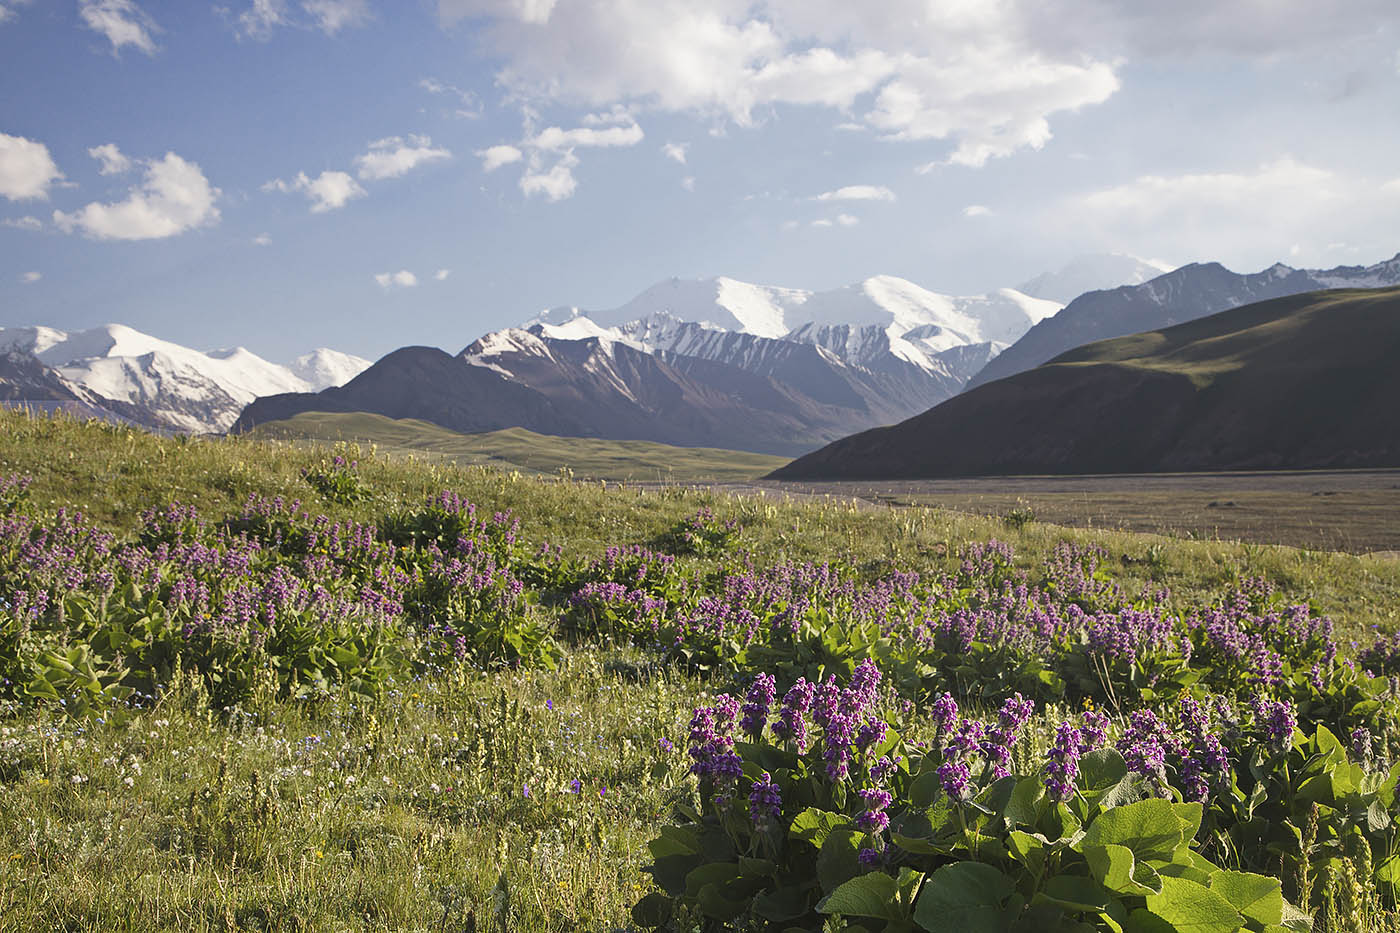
{"points": [[1307, 381]]}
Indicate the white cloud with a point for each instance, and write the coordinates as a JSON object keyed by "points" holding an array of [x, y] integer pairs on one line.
{"points": [[174, 197], [113, 162], [7, 9], [121, 21], [976, 210], [555, 145], [857, 193], [496, 156], [258, 21], [822, 222], [555, 183], [395, 156], [26, 168], [23, 223], [262, 239], [401, 279], [1250, 216], [847, 220], [31, 277], [327, 192], [555, 138], [972, 73], [470, 104], [675, 151], [331, 16], [688, 183], [442, 274]]}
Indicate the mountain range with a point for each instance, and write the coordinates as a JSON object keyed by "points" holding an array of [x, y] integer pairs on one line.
{"points": [[714, 362], [1185, 294], [1302, 382], [168, 386]]}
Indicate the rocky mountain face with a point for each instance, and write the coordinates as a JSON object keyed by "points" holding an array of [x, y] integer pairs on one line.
{"points": [[1185, 294], [27, 383], [172, 385], [716, 363], [1301, 382]]}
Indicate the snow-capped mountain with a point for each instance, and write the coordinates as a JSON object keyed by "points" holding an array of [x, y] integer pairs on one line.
{"points": [[1093, 273], [188, 389], [1185, 294], [880, 316]]}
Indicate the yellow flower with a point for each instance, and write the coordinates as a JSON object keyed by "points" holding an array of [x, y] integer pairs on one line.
{"points": [[320, 854]]}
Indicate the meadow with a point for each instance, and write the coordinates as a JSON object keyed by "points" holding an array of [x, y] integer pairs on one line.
{"points": [[265, 686]]}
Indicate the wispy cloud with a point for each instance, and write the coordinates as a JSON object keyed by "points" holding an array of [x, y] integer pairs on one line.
{"points": [[395, 156], [173, 197], [122, 22], [328, 191], [675, 151], [857, 193], [401, 279]]}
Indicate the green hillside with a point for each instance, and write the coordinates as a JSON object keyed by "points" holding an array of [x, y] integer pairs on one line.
{"points": [[250, 686], [519, 449], [1297, 383]]}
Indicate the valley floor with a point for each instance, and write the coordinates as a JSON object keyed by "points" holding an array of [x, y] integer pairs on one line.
{"points": [[1356, 511]]}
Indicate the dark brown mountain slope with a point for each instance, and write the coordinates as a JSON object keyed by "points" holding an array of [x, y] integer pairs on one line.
{"points": [[1304, 382]]}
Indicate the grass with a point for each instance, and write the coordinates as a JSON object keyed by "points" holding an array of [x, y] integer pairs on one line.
{"points": [[410, 812], [519, 449]]}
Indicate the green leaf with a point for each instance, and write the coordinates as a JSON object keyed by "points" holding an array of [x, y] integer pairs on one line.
{"points": [[1190, 815], [814, 825], [1101, 769], [837, 861], [1193, 908], [788, 902], [1028, 850], [1258, 897], [1149, 827], [1074, 893], [1115, 868], [965, 896], [868, 895], [1027, 803]]}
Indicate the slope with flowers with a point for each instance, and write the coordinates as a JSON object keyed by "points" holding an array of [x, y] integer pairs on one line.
{"points": [[415, 692]]}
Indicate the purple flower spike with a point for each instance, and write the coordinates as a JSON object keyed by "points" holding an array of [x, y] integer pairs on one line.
{"points": [[759, 699], [1062, 765], [765, 803]]}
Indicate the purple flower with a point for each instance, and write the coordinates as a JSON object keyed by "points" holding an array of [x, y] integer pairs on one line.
{"points": [[525, 791], [765, 802], [945, 713], [791, 724], [1277, 719], [869, 859], [1094, 728], [874, 819], [955, 776], [1361, 745], [760, 697], [870, 735], [1062, 762], [575, 786]]}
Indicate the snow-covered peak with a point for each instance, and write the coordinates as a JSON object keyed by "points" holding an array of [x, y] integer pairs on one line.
{"points": [[323, 368], [1094, 272]]}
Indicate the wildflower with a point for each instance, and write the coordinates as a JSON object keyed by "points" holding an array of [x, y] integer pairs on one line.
{"points": [[1361, 745], [525, 791], [869, 859], [765, 802], [575, 786], [1094, 728], [759, 698], [1062, 766], [791, 724], [874, 819]]}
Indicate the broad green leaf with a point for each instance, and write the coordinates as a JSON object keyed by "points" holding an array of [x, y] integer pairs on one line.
{"points": [[868, 895], [1193, 908], [1116, 869], [1028, 850], [1027, 803], [710, 873], [1101, 769], [1149, 827], [1074, 893], [813, 825], [837, 861], [1258, 897], [965, 896], [788, 902], [1190, 815]]}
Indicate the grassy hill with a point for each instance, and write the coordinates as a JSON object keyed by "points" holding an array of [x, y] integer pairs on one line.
{"points": [[1304, 382], [480, 794], [519, 449]]}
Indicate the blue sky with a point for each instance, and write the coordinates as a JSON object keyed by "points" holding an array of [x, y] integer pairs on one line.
{"points": [[295, 173]]}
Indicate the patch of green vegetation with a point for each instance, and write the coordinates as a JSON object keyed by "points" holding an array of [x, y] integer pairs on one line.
{"points": [[487, 798], [519, 449]]}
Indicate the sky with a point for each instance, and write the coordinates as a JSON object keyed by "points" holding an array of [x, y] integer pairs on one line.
{"points": [[287, 174]]}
